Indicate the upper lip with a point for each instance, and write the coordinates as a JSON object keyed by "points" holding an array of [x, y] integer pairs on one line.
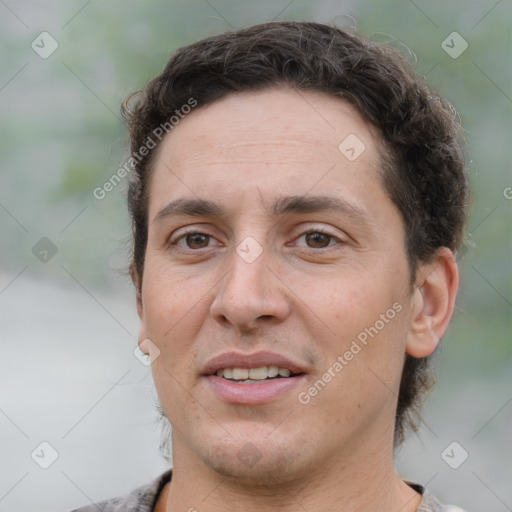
{"points": [[255, 360]]}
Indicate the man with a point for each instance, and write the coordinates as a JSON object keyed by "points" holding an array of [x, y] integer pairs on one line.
{"points": [[297, 197]]}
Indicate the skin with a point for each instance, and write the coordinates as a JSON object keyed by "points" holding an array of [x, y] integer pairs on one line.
{"points": [[306, 297]]}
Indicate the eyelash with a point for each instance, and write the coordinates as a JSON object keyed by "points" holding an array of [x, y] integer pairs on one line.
{"points": [[173, 244]]}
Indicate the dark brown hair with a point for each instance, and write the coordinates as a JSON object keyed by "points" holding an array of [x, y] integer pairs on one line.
{"points": [[423, 165]]}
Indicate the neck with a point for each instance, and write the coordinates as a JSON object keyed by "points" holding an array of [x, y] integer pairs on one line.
{"points": [[350, 481]]}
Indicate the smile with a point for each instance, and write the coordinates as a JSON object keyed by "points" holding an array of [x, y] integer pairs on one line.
{"points": [[253, 375], [252, 379]]}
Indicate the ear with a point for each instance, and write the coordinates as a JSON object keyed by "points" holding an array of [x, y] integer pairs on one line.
{"points": [[143, 341], [432, 303]]}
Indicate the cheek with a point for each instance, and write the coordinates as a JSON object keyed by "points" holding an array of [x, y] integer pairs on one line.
{"points": [[173, 314], [346, 302], [362, 318], [168, 297]]}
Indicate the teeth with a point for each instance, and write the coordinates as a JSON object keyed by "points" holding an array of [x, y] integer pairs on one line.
{"points": [[245, 374], [258, 373], [272, 371], [240, 373]]}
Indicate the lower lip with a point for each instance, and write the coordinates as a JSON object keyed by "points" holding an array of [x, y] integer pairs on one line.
{"points": [[257, 393]]}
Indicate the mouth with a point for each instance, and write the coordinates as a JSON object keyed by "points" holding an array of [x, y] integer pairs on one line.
{"points": [[252, 378], [255, 375]]}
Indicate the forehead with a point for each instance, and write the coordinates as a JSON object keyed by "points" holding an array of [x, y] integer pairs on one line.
{"points": [[272, 140]]}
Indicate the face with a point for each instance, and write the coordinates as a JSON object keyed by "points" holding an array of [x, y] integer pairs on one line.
{"points": [[272, 248]]}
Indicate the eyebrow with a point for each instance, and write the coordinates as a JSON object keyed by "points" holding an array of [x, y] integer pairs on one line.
{"points": [[280, 207], [192, 207]]}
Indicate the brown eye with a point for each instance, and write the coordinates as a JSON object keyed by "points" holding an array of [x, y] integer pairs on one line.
{"points": [[318, 240], [197, 241]]}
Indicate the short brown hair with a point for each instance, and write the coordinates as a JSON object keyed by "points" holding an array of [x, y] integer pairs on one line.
{"points": [[423, 168]]}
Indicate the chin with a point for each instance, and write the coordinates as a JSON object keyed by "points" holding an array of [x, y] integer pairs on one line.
{"points": [[257, 459], [270, 470]]}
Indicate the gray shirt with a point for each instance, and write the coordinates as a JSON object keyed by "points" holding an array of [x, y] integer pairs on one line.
{"points": [[144, 499]]}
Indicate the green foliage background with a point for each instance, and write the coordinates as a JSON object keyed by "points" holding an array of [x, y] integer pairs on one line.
{"points": [[61, 135]]}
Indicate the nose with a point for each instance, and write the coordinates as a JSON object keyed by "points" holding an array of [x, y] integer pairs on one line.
{"points": [[250, 296]]}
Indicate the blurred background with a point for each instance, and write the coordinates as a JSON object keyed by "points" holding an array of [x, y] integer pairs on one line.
{"points": [[70, 378]]}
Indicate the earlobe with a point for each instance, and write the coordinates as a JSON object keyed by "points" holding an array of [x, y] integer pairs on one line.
{"points": [[433, 302], [144, 344]]}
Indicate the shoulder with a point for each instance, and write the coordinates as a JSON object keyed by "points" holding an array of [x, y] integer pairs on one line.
{"points": [[431, 504], [142, 499]]}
